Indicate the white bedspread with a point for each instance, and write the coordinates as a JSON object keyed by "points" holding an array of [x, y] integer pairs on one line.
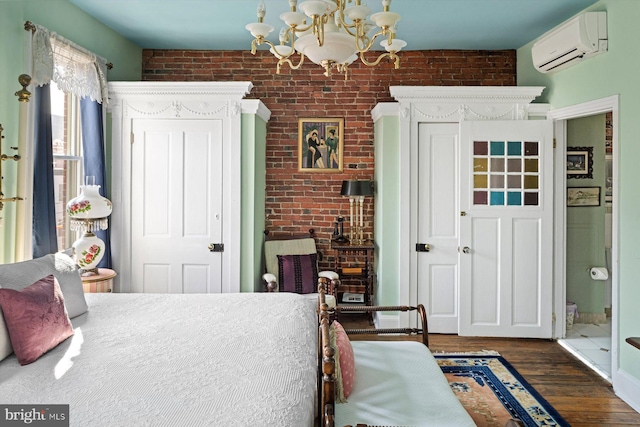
{"points": [[179, 360], [399, 383]]}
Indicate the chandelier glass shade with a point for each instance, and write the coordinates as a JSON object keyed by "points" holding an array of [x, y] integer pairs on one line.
{"points": [[87, 213], [331, 33]]}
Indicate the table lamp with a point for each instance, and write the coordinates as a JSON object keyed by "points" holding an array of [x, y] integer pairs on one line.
{"points": [[88, 212], [356, 190]]}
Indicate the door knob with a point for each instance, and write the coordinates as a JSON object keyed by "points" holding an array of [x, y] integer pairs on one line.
{"points": [[466, 250], [216, 247], [423, 247]]}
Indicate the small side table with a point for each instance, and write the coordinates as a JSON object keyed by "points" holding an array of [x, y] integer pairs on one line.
{"points": [[101, 282], [354, 264]]}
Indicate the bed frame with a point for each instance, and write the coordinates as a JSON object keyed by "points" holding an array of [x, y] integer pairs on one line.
{"points": [[326, 353]]}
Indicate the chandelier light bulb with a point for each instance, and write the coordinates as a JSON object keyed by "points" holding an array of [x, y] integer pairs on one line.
{"points": [[262, 10]]}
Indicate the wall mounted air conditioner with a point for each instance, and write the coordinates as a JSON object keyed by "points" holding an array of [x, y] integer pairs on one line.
{"points": [[579, 38]]}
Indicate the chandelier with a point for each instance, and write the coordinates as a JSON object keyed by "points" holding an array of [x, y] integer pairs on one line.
{"points": [[334, 37]]}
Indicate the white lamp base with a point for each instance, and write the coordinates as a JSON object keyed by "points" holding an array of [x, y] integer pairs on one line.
{"points": [[88, 251]]}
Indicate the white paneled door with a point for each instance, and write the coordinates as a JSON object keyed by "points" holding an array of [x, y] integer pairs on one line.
{"points": [[176, 206], [437, 225], [506, 228]]}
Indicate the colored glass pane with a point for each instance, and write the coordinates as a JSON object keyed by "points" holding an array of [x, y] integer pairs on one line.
{"points": [[514, 198], [480, 197], [514, 165], [497, 165], [497, 148], [480, 181], [531, 199], [480, 148], [531, 165], [531, 148], [514, 181], [497, 181], [480, 165], [497, 198], [530, 182], [514, 148]]}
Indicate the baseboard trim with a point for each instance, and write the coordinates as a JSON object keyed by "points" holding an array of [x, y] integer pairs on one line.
{"points": [[592, 318], [627, 388], [384, 320]]}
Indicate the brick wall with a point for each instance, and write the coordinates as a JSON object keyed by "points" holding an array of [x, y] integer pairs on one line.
{"points": [[297, 201]]}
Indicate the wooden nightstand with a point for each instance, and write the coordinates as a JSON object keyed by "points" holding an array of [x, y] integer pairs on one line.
{"points": [[101, 282], [354, 264]]}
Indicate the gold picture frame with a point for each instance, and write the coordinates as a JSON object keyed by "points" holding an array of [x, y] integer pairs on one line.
{"points": [[320, 145]]}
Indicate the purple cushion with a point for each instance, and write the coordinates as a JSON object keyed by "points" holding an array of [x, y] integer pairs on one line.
{"points": [[36, 318], [298, 273]]}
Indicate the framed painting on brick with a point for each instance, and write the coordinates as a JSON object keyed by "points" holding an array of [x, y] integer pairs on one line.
{"points": [[320, 144]]}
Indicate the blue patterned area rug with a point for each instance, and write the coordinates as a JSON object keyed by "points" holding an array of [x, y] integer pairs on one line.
{"points": [[493, 392]]}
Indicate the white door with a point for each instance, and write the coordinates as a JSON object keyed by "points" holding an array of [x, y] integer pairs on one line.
{"points": [[506, 228], [176, 206], [437, 226]]}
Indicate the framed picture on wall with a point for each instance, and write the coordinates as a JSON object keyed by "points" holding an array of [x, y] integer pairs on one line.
{"points": [[579, 162], [320, 145], [583, 196]]}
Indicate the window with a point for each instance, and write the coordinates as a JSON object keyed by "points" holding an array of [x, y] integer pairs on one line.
{"points": [[506, 173], [67, 158]]}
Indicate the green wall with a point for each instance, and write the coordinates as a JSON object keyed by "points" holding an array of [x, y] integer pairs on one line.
{"points": [[611, 73], [254, 135], [585, 224], [69, 21], [387, 209]]}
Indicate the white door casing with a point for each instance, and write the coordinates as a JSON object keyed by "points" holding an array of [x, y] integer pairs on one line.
{"points": [[506, 274], [437, 225], [215, 101], [176, 206]]}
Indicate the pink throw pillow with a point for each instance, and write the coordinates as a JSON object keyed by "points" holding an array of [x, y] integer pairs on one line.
{"points": [[36, 318], [347, 361]]}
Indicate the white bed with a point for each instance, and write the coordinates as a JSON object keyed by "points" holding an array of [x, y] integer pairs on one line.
{"points": [[179, 360]]}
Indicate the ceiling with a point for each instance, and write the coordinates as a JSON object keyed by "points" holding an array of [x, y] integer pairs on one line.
{"points": [[425, 24]]}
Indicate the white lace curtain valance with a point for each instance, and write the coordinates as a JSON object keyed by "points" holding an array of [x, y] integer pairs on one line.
{"points": [[73, 68]]}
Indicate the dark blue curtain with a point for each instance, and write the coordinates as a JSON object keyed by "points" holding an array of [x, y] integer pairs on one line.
{"points": [[45, 240], [94, 160]]}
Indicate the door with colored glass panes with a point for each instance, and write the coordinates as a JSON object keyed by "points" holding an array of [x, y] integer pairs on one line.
{"points": [[506, 228]]}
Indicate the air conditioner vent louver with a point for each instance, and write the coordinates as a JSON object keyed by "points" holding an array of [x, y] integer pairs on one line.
{"points": [[579, 38]]}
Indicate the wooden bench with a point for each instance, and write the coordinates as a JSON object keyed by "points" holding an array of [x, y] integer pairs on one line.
{"points": [[398, 382]]}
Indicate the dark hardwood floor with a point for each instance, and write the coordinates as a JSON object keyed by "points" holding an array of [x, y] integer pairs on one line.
{"points": [[581, 396]]}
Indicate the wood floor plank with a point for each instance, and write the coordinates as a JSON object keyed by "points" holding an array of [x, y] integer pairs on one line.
{"points": [[581, 396]]}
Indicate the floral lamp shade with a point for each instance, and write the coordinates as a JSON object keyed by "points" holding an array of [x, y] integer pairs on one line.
{"points": [[88, 212]]}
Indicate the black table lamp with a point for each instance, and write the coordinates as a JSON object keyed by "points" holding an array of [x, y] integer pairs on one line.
{"points": [[356, 191]]}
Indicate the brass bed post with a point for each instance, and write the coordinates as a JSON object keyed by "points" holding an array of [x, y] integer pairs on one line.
{"points": [[326, 360]]}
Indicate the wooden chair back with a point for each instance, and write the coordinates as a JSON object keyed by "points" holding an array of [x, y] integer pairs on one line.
{"points": [[287, 244]]}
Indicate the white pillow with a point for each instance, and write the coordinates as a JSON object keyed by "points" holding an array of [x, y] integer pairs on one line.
{"points": [[5, 341], [22, 274]]}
